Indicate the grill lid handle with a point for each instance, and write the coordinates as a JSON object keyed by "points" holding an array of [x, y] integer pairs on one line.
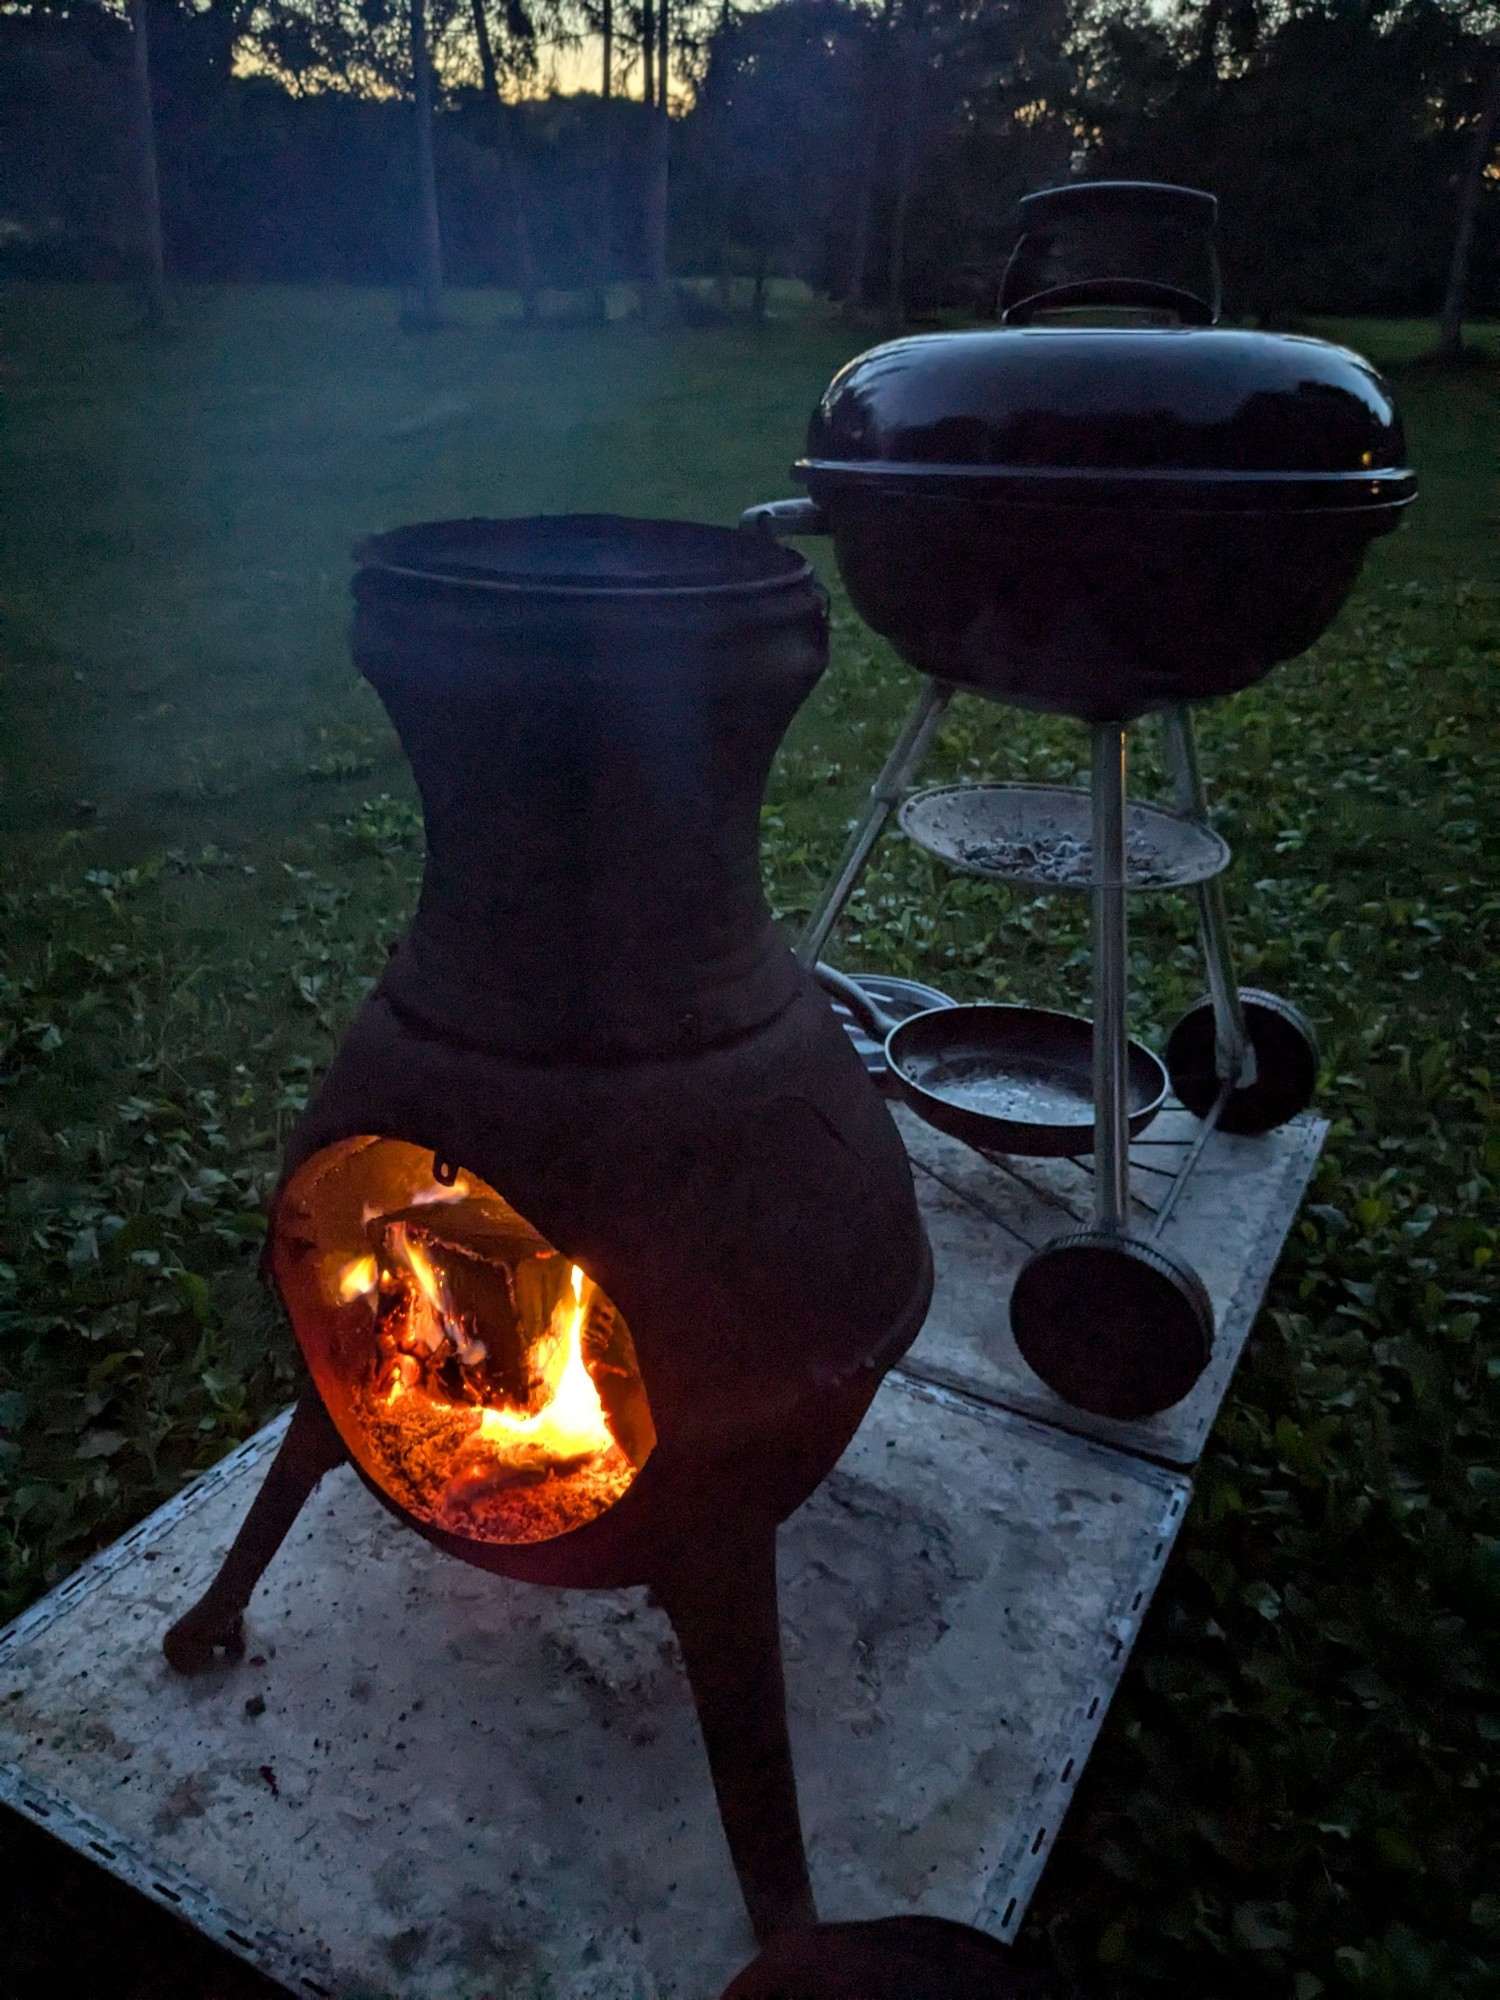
{"points": [[1140, 245], [1154, 201], [1146, 294]]}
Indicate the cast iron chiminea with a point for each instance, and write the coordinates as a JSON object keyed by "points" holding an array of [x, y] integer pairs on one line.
{"points": [[597, 1238]]}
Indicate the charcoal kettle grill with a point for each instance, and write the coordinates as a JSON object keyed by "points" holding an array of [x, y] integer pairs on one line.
{"points": [[1109, 506]]}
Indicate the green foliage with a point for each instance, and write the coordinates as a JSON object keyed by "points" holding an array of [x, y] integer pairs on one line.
{"points": [[152, 1067], [1294, 1792]]}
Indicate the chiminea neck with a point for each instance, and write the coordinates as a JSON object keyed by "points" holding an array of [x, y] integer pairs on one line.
{"points": [[591, 765]]}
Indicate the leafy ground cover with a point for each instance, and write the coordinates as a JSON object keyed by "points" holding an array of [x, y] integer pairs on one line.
{"points": [[209, 837]]}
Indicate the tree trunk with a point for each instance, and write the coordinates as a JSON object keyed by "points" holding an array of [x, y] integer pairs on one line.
{"points": [[663, 49], [875, 68], [489, 75], [658, 300], [864, 211], [654, 189], [156, 263], [604, 219], [607, 90], [528, 277], [1451, 326], [527, 281], [910, 98], [429, 238]]}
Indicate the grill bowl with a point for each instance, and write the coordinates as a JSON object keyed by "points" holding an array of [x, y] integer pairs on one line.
{"points": [[1104, 520]]}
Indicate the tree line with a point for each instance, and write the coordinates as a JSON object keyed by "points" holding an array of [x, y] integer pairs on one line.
{"points": [[872, 148]]}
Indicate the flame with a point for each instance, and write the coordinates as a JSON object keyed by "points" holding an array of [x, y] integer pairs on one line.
{"points": [[571, 1423], [430, 1319], [420, 1266], [359, 1279], [455, 1190], [485, 1383]]}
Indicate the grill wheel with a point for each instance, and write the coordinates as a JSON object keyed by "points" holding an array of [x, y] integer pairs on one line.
{"points": [[1112, 1324], [1286, 1060]]}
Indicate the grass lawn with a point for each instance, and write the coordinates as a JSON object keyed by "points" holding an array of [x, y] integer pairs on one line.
{"points": [[208, 837]]}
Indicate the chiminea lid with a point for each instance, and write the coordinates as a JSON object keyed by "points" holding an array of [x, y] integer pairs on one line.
{"points": [[1185, 417], [579, 556]]}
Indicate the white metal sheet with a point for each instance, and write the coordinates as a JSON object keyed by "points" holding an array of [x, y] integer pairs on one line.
{"points": [[427, 1781], [986, 1215]]}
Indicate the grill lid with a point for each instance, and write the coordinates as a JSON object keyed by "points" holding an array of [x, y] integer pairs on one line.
{"points": [[1166, 410], [1199, 418]]}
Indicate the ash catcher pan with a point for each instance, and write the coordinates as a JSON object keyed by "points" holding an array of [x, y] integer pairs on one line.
{"points": [[597, 1237]]}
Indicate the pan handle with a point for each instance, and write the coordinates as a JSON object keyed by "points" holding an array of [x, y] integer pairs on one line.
{"points": [[786, 517], [869, 1014]]}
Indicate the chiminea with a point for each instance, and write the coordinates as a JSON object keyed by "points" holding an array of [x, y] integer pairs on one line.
{"points": [[597, 1239]]}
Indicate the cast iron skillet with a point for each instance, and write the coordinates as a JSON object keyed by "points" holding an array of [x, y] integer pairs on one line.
{"points": [[1012, 1079]]}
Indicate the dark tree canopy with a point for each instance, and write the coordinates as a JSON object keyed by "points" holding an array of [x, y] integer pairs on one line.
{"points": [[874, 148], [1333, 134]]}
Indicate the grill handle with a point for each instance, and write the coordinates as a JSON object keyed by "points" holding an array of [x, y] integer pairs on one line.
{"points": [[1114, 243], [786, 517], [1147, 293], [870, 1015]]}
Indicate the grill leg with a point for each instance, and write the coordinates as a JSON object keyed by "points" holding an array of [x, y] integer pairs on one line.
{"points": [[213, 1630], [907, 752], [1234, 1054], [729, 1628], [1111, 1106]]}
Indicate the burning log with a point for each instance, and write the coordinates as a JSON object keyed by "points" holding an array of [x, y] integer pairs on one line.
{"points": [[495, 1391]]}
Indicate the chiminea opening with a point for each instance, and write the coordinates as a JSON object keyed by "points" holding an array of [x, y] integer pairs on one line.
{"points": [[479, 1377]]}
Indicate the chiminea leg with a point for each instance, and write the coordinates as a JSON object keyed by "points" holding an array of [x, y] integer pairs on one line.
{"points": [[728, 1625], [212, 1630]]}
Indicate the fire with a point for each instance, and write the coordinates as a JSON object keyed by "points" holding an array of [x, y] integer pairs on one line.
{"points": [[416, 1261], [431, 1321], [571, 1422], [479, 1399], [358, 1279], [483, 1382]]}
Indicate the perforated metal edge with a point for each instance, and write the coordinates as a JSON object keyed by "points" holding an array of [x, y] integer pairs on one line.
{"points": [[98, 1569], [1021, 1866], [269, 1951], [1013, 1882], [302, 1971]]}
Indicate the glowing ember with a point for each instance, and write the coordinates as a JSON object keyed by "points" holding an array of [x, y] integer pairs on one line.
{"points": [[501, 1399]]}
